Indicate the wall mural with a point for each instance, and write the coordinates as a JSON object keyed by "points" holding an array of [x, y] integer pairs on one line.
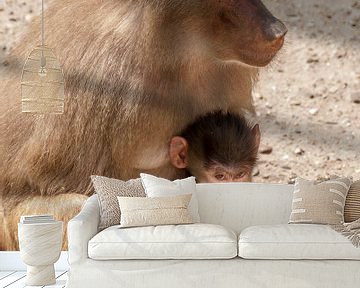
{"points": [[139, 74]]}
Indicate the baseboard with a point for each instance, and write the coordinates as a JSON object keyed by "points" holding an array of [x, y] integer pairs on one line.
{"points": [[11, 260]]}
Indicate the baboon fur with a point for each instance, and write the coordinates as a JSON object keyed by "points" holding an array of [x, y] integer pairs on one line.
{"points": [[136, 73]]}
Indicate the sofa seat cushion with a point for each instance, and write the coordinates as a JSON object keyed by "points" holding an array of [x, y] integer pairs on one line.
{"points": [[295, 241], [191, 241]]}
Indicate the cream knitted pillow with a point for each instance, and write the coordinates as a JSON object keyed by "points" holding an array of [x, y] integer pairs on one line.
{"points": [[108, 189], [352, 203], [139, 211], [321, 203]]}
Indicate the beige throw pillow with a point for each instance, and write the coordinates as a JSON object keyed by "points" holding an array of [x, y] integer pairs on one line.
{"points": [[321, 203], [138, 211], [108, 189], [352, 203]]}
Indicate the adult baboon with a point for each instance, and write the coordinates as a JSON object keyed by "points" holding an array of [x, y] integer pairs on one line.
{"points": [[136, 73]]}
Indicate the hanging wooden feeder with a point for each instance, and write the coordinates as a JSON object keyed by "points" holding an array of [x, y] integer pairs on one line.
{"points": [[42, 81]]}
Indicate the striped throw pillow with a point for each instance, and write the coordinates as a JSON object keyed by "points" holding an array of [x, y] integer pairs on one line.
{"points": [[321, 203], [352, 203]]}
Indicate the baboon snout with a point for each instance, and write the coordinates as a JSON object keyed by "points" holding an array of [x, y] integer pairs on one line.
{"points": [[275, 30], [274, 33]]}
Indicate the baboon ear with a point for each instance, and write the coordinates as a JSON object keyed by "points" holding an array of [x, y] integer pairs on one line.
{"points": [[256, 132], [179, 152]]}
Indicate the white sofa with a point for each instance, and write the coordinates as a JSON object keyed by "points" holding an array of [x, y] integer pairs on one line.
{"points": [[277, 254]]}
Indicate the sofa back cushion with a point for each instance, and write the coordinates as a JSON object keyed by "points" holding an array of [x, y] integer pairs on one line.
{"points": [[239, 205]]}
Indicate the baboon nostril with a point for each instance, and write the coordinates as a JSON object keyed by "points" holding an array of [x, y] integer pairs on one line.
{"points": [[275, 30]]}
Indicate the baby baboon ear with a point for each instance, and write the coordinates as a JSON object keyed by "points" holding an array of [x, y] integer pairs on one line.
{"points": [[178, 152], [257, 135]]}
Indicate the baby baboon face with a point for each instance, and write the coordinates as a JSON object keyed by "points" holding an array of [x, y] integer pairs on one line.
{"points": [[236, 30], [222, 173]]}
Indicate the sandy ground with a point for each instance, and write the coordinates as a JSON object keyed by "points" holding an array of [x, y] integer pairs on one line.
{"points": [[307, 101]]}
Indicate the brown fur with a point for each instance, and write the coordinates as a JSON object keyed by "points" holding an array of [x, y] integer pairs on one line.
{"points": [[136, 73]]}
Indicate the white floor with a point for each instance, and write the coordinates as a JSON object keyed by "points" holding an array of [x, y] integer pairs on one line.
{"points": [[16, 279]]}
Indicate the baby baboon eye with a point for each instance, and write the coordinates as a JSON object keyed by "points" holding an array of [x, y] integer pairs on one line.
{"points": [[220, 176]]}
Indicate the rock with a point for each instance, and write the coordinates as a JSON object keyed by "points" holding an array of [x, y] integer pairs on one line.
{"points": [[256, 171], [266, 150], [340, 54], [285, 157], [346, 121], [320, 179], [331, 122], [291, 181], [333, 89], [28, 18], [291, 12], [355, 97], [286, 167], [299, 151], [313, 59], [268, 105], [313, 111]]}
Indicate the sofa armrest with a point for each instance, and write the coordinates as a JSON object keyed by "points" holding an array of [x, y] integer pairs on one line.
{"points": [[82, 228]]}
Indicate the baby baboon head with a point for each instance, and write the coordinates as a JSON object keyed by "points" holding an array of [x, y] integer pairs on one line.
{"points": [[217, 147]]}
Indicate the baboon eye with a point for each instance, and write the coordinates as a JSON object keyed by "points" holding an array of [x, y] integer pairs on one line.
{"points": [[220, 176]]}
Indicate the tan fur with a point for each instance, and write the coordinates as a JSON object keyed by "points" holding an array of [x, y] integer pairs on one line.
{"points": [[64, 207], [136, 73]]}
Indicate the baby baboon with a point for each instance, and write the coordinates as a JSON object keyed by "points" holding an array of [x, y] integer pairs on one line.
{"points": [[217, 147], [135, 71]]}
